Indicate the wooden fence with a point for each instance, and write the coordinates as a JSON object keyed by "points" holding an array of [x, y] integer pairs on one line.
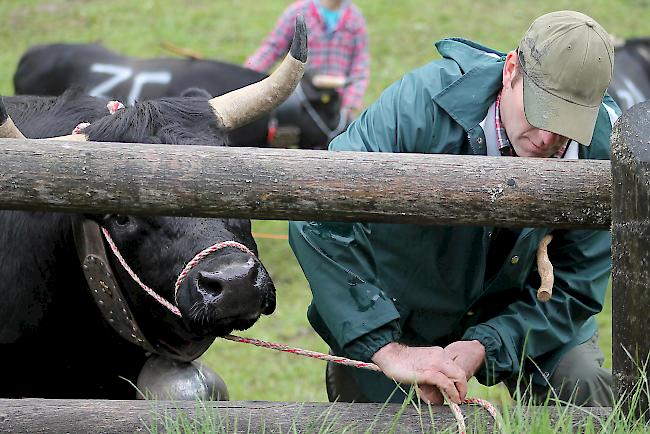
{"points": [[397, 188], [303, 185], [631, 249]]}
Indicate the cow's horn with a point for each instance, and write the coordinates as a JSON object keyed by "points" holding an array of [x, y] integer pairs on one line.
{"points": [[244, 105], [7, 127]]}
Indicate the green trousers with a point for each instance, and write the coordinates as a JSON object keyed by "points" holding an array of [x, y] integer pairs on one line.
{"points": [[578, 378]]}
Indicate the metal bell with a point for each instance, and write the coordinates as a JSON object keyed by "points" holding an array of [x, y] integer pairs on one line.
{"points": [[163, 378]]}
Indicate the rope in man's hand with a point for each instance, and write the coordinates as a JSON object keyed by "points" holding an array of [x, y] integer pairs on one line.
{"points": [[544, 293], [455, 408]]}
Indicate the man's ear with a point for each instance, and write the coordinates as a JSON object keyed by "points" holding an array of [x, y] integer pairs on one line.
{"points": [[510, 68]]}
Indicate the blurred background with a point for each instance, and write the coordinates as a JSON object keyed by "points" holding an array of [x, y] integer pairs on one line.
{"points": [[401, 38]]}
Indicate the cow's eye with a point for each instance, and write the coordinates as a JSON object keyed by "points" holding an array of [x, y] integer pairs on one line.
{"points": [[122, 220]]}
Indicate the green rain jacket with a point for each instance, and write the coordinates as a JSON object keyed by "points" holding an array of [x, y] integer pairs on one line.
{"points": [[424, 285]]}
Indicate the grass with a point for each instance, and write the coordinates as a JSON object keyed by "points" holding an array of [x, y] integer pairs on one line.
{"points": [[550, 417], [401, 35]]}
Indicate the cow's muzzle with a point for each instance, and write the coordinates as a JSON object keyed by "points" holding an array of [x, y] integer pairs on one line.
{"points": [[230, 291]]}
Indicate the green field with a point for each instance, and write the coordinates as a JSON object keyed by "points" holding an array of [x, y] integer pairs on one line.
{"points": [[401, 36]]}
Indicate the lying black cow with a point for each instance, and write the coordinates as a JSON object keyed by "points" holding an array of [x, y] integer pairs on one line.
{"points": [[631, 82], [73, 320], [309, 119]]}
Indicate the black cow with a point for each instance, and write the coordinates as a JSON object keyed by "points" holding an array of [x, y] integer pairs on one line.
{"points": [[309, 119], [631, 82], [73, 320]]}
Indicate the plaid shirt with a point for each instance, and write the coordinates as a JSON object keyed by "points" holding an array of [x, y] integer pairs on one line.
{"points": [[505, 147], [342, 53]]}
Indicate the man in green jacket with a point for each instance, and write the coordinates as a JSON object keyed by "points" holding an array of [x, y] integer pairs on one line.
{"points": [[437, 305]]}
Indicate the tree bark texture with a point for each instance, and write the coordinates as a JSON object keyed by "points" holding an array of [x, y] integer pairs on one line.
{"points": [[289, 184], [116, 417], [631, 249]]}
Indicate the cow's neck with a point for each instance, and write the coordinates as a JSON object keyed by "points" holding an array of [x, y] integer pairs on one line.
{"points": [[42, 281]]}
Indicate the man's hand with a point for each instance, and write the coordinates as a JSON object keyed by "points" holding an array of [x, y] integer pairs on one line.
{"points": [[431, 368], [469, 355]]}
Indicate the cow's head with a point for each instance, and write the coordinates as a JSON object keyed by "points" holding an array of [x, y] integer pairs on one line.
{"points": [[323, 93], [229, 289]]}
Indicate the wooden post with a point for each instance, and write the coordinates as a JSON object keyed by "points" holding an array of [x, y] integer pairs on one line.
{"points": [[289, 184], [631, 250]]}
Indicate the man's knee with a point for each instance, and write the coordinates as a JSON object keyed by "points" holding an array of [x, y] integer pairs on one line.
{"points": [[341, 384], [581, 379], [347, 384]]}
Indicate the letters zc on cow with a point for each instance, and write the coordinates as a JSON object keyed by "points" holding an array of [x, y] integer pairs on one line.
{"points": [[308, 119]]}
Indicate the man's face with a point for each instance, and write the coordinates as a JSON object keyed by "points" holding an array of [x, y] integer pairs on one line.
{"points": [[527, 140]]}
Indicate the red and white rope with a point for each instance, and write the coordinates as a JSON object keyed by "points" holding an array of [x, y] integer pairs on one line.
{"points": [[183, 274], [80, 127], [114, 106], [202, 254], [173, 309], [455, 408]]}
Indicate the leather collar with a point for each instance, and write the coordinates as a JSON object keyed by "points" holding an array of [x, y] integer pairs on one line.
{"points": [[111, 302]]}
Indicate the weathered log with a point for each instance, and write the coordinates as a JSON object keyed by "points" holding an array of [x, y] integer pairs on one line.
{"points": [[631, 249], [82, 416], [303, 185]]}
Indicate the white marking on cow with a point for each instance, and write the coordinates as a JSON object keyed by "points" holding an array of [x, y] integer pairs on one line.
{"points": [[121, 74], [162, 77], [645, 53], [629, 93]]}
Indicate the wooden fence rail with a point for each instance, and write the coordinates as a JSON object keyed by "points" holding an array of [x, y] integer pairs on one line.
{"points": [[313, 185], [303, 185], [117, 417]]}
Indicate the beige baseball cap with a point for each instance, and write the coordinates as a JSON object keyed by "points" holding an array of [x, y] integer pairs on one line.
{"points": [[567, 59]]}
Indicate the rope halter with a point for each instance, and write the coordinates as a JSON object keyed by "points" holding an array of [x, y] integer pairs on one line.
{"points": [[112, 107], [196, 260]]}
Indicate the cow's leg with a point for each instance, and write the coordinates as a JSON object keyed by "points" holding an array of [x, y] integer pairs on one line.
{"points": [[162, 378]]}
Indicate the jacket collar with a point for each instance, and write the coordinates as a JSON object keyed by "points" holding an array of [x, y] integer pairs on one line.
{"points": [[468, 98]]}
